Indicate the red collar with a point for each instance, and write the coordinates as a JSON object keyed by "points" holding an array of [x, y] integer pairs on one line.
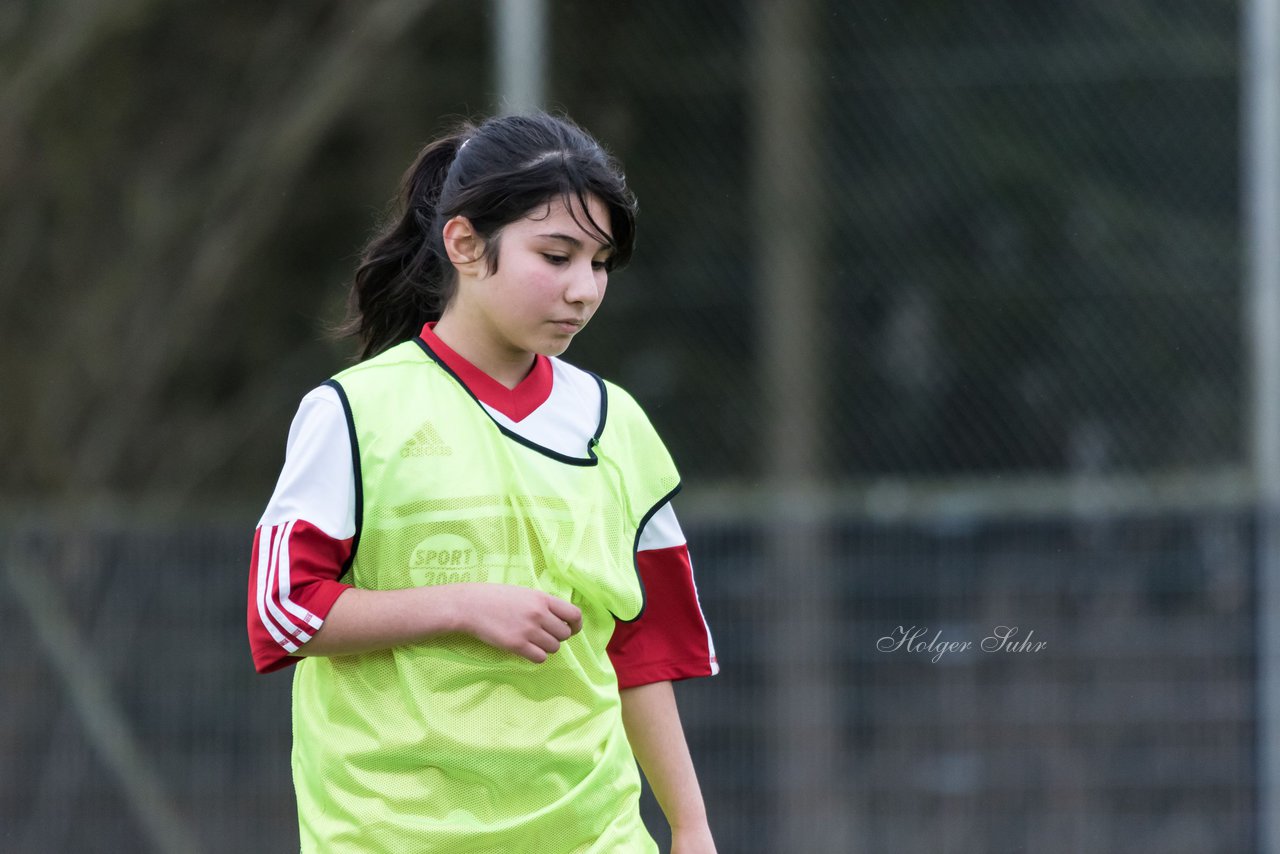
{"points": [[515, 403]]}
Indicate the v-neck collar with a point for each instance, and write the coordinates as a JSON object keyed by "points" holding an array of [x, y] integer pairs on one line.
{"points": [[515, 403], [428, 346]]}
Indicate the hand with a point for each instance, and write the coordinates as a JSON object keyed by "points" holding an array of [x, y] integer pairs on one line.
{"points": [[521, 620], [692, 840]]}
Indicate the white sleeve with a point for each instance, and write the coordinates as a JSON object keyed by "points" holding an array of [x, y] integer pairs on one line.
{"points": [[317, 483]]}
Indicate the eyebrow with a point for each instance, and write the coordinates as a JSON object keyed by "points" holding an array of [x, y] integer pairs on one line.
{"points": [[573, 241]]}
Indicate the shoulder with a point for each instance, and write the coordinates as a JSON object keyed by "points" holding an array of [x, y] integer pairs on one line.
{"points": [[404, 353], [623, 408], [616, 403], [384, 378], [319, 428], [318, 409]]}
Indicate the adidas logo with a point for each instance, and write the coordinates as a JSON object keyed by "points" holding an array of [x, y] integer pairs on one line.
{"points": [[425, 443]]}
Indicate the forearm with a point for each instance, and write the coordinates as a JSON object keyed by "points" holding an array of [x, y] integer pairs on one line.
{"points": [[520, 620], [653, 727], [366, 620]]}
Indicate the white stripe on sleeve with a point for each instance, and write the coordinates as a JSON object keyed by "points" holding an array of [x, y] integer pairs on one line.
{"points": [[283, 569], [266, 540], [279, 552]]}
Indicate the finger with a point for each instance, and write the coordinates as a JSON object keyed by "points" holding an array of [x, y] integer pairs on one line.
{"points": [[533, 652], [557, 628], [567, 611], [548, 642]]}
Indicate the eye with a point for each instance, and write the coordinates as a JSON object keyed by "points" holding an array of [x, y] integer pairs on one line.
{"points": [[555, 260], [600, 265]]}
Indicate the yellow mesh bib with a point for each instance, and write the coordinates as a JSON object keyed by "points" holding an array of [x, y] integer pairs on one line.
{"points": [[452, 745]]}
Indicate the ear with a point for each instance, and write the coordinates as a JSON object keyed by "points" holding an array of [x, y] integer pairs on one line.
{"points": [[462, 244]]}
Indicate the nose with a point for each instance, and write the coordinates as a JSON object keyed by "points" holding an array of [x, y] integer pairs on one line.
{"points": [[583, 286]]}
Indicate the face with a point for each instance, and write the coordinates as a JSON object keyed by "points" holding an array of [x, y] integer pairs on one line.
{"points": [[550, 279]]}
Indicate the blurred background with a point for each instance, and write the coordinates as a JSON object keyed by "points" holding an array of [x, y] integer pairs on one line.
{"points": [[955, 316]]}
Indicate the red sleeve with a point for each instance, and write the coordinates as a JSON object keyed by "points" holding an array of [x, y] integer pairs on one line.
{"points": [[292, 585], [670, 640]]}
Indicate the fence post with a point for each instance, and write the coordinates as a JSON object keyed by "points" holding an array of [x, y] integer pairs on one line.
{"points": [[802, 709]]}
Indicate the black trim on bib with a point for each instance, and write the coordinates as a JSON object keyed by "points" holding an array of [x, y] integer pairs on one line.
{"points": [[635, 550], [355, 467], [590, 460], [604, 409]]}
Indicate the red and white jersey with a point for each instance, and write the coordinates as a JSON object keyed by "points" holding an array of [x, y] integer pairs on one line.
{"points": [[304, 540]]}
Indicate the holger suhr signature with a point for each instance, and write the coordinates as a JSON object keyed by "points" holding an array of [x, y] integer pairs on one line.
{"points": [[916, 639]]}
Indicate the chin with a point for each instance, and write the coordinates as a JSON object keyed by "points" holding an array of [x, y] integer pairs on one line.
{"points": [[552, 345]]}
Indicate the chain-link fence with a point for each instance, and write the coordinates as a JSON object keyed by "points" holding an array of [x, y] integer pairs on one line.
{"points": [[1113, 712], [938, 305], [1024, 225]]}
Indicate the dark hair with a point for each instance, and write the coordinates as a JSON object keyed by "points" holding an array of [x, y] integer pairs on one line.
{"points": [[493, 174]]}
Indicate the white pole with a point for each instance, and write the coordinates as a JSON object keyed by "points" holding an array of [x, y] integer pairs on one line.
{"points": [[1261, 194], [520, 38]]}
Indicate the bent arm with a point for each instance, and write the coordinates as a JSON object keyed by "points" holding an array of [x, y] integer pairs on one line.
{"points": [[653, 727], [298, 607], [520, 620]]}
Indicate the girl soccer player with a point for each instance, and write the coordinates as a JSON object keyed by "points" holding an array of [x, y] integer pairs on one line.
{"points": [[471, 554]]}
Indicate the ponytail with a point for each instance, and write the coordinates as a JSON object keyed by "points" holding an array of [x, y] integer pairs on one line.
{"points": [[404, 279]]}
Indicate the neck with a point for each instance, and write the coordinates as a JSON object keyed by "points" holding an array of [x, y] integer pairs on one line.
{"points": [[504, 365]]}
